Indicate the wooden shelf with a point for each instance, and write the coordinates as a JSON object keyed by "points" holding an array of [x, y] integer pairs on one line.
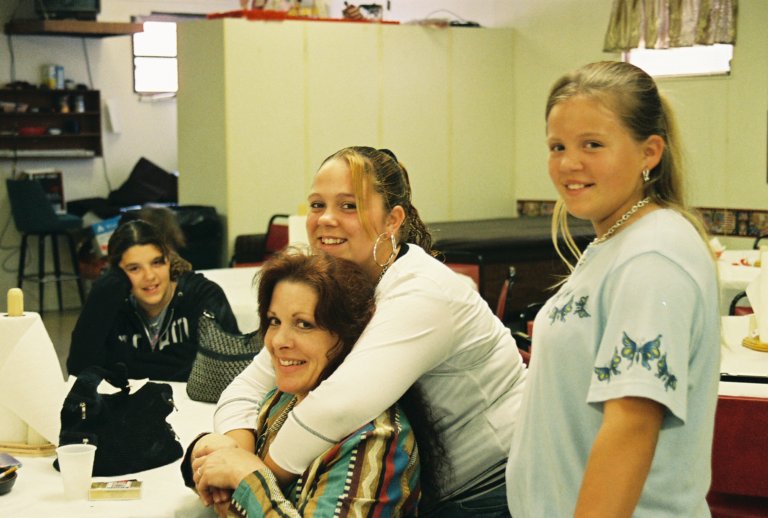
{"points": [[79, 28], [80, 132]]}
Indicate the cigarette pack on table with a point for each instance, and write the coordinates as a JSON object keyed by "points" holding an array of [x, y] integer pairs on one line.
{"points": [[115, 490]]}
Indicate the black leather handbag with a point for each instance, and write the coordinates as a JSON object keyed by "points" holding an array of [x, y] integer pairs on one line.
{"points": [[221, 356], [130, 431]]}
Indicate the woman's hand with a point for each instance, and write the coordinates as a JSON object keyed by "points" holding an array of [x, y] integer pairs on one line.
{"points": [[210, 443], [206, 445], [223, 469]]}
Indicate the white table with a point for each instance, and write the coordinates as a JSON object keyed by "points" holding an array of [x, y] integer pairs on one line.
{"points": [[739, 456], [238, 285], [739, 360], [38, 492], [735, 275]]}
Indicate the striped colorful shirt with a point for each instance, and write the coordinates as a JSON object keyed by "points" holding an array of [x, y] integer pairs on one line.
{"points": [[373, 472]]}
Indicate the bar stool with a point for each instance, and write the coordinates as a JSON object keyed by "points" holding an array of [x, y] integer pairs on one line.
{"points": [[33, 215]]}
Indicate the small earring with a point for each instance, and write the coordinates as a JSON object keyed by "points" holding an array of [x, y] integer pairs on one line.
{"points": [[646, 175]]}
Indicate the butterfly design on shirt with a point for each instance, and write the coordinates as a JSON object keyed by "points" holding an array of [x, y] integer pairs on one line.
{"points": [[560, 313], [645, 353], [581, 307], [669, 379], [605, 373]]}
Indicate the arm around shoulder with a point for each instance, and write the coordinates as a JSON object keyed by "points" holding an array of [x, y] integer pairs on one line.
{"points": [[385, 449], [239, 403], [396, 349]]}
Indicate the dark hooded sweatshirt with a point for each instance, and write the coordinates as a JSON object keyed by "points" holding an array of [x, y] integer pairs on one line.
{"points": [[110, 328]]}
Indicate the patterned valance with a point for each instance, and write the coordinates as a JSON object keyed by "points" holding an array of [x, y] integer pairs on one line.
{"points": [[661, 24]]}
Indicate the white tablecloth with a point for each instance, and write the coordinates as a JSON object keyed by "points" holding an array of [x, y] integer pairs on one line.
{"points": [[740, 360]]}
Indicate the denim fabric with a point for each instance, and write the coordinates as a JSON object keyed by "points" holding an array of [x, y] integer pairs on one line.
{"points": [[492, 504]]}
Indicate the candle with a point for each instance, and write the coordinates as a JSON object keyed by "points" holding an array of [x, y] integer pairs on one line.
{"points": [[15, 302]]}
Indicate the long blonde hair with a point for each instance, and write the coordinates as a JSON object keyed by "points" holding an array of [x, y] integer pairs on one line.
{"points": [[632, 95]]}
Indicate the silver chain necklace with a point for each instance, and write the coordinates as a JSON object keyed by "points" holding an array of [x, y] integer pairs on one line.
{"points": [[616, 226], [623, 219]]}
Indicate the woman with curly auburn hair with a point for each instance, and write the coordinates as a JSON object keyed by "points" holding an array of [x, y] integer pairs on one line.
{"points": [[313, 309]]}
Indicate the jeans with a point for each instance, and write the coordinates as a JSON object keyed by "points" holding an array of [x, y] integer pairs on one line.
{"points": [[492, 504]]}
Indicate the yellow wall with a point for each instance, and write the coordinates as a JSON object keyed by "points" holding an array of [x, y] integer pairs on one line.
{"points": [[261, 104], [443, 101], [722, 120]]}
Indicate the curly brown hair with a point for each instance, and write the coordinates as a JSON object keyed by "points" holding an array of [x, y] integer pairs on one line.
{"points": [[345, 305], [345, 296]]}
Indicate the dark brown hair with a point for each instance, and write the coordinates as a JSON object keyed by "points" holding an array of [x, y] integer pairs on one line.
{"points": [[380, 169], [138, 233], [164, 219], [345, 305]]}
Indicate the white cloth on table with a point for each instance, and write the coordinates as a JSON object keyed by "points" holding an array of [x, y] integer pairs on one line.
{"points": [[39, 492]]}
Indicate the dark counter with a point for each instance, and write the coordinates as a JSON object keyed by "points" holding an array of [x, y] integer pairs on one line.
{"points": [[497, 244]]}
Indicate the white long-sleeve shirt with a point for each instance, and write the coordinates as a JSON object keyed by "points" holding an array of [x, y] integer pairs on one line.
{"points": [[429, 326]]}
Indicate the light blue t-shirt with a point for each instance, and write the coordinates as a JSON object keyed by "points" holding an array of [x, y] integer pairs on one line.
{"points": [[638, 317]]}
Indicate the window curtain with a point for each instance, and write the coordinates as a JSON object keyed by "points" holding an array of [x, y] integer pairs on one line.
{"points": [[661, 24]]}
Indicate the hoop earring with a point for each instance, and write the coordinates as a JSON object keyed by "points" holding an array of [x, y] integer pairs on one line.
{"points": [[646, 175], [392, 254]]}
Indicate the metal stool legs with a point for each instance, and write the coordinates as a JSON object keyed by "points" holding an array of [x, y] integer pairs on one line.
{"points": [[58, 277], [76, 267]]}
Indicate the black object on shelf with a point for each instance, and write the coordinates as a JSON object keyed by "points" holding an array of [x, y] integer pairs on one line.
{"points": [[68, 9]]}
